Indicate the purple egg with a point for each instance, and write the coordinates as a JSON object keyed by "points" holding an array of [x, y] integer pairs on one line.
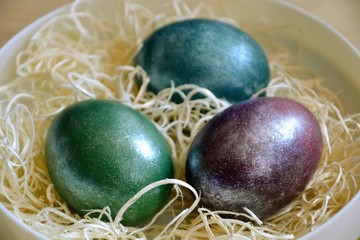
{"points": [[259, 154]]}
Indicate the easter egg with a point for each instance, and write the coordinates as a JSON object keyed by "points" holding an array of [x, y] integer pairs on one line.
{"points": [[259, 154], [209, 53], [100, 153]]}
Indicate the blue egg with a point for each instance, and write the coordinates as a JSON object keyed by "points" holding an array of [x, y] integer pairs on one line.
{"points": [[208, 53]]}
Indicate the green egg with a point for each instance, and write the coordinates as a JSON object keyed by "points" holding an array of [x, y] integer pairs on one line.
{"points": [[101, 153], [209, 53]]}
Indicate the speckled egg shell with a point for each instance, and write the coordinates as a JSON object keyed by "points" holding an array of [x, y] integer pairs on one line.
{"points": [[208, 53], [259, 154], [101, 153]]}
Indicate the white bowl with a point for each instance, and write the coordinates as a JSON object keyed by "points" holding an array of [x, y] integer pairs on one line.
{"points": [[325, 51]]}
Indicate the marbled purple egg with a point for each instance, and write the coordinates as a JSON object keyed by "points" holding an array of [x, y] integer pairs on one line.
{"points": [[259, 154]]}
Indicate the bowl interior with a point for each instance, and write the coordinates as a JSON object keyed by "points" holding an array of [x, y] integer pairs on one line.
{"points": [[313, 44]]}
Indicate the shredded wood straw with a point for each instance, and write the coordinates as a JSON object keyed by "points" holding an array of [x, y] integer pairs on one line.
{"points": [[83, 55]]}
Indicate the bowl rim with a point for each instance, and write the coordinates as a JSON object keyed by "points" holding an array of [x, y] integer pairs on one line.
{"points": [[321, 22], [20, 38]]}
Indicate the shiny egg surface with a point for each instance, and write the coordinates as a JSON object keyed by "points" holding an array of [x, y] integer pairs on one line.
{"points": [[100, 153], [208, 53], [259, 154]]}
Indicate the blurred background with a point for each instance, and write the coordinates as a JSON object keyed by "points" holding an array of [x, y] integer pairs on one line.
{"points": [[343, 15]]}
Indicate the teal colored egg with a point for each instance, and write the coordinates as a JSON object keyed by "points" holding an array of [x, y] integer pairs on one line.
{"points": [[101, 153], [208, 53]]}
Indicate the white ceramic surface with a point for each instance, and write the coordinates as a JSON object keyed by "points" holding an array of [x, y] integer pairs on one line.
{"points": [[325, 51]]}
